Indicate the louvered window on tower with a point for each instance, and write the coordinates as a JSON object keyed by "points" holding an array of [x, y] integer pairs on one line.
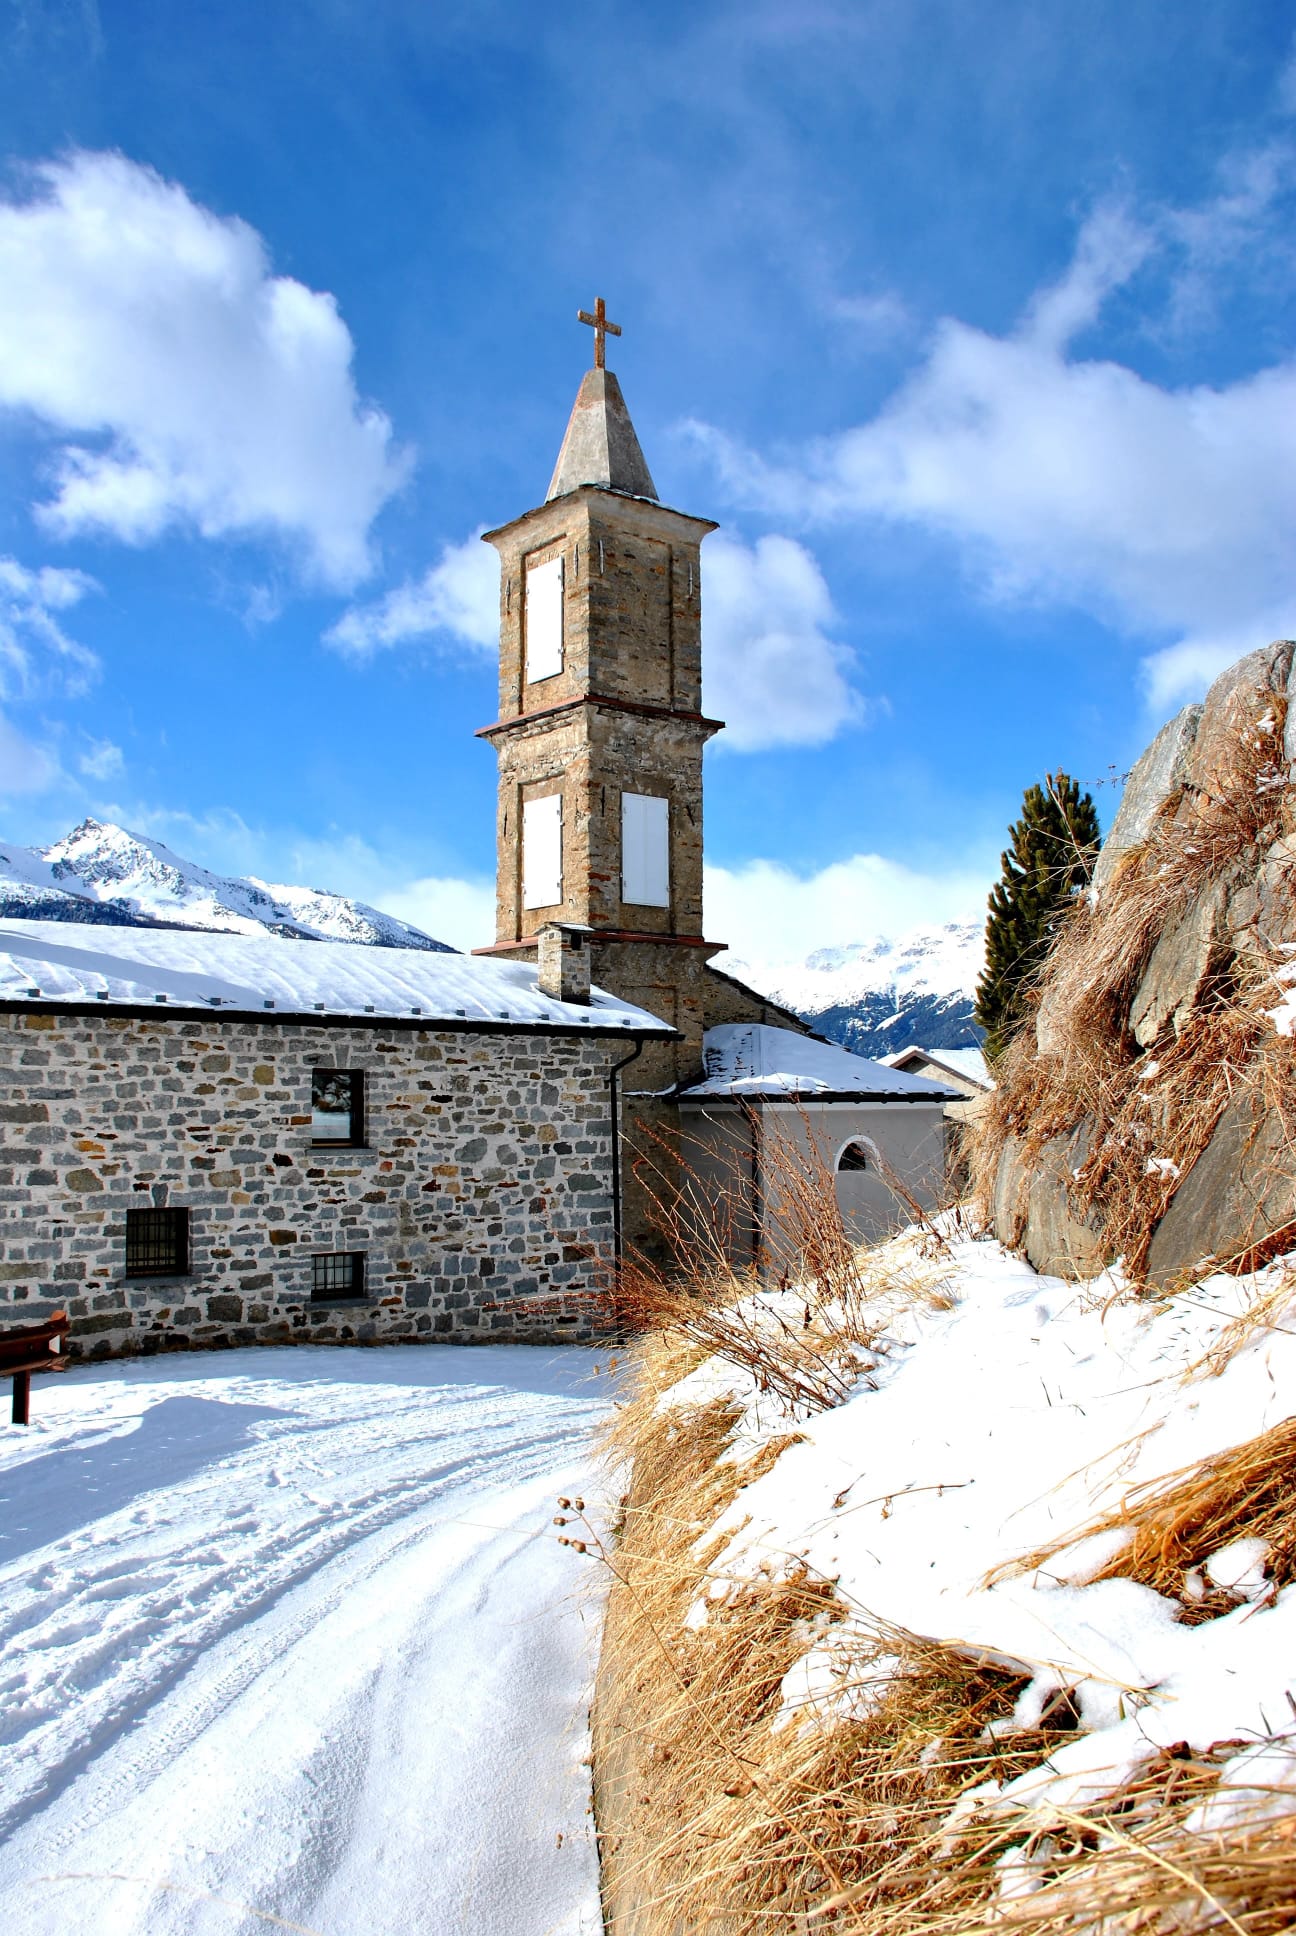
{"points": [[544, 620], [645, 850], [542, 851]]}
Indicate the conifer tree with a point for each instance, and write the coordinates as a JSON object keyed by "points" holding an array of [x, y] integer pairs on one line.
{"points": [[1050, 859]]}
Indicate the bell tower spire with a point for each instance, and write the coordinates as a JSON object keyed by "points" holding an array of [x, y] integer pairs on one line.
{"points": [[600, 729], [600, 446]]}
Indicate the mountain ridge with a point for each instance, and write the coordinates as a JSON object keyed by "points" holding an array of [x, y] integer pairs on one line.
{"points": [[875, 997], [103, 873]]}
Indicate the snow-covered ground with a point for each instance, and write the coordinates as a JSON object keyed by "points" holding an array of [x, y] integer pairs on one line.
{"points": [[1004, 1416], [287, 1641]]}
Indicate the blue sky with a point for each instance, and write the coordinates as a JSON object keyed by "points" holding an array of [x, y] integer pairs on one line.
{"points": [[971, 326]]}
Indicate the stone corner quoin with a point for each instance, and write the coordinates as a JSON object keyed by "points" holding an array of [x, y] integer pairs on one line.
{"points": [[482, 1202]]}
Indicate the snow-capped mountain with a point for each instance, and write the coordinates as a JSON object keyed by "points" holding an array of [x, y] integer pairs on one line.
{"points": [[878, 996], [103, 873]]}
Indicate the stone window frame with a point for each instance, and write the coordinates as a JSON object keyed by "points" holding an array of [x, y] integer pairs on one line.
{"points": [[355, 1287], [358, 1138], [160, 1232]]}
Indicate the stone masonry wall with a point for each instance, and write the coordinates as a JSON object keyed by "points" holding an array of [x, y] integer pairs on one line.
{"points": [[483, 1201]]}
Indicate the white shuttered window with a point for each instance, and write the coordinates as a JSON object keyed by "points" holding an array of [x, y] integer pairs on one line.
{"points": [[645, 850], [542, 851], [544, 620]]}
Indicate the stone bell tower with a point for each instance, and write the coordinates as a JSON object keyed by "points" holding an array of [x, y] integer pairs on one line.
{"points": [[600, 729]]}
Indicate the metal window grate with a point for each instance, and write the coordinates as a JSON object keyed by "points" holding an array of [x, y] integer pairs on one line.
{"points": [[337, 1274], [337, 1106], [157, 1243]]}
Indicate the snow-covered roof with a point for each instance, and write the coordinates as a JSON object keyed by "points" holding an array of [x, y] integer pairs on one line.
{"points": [[753, 1059], [969, 1063], [67, 961]]}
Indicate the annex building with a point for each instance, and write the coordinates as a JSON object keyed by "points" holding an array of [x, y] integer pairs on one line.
{"points": [[216, 1139]]}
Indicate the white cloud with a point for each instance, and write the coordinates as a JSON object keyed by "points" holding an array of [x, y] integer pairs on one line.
{"points": [[873, 320], [1234, 225], [193, 387], [457, 598], [101, 760], [1167, 512], [770, 668], [765, 912], [460, 911], [24, 766], [36, 654]]}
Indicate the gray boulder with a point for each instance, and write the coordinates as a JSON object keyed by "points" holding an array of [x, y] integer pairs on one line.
{"points": [[1239, 1192], [1059, 1242], [1158, 774], [1009, 1209], [1241, 695], [1185, 956]]}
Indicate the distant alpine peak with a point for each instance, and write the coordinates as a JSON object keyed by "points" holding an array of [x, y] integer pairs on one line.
{"points": [[935, 961], [130, 879], [876, 997]]}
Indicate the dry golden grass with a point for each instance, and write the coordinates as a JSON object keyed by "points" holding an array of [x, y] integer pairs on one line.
{"points": [[732, 1819], [1175, 1523], [728, 1821], [1264, 1312], [1145, 1134], [1158, 1879]]}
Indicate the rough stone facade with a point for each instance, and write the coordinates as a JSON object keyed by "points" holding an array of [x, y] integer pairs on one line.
{"points": [[483, 1201], [624, 711]]}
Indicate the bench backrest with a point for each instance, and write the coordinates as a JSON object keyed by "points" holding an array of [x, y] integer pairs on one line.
{"points": [[20, 1342]]}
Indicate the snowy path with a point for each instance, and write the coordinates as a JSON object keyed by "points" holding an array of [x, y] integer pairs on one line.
{"points": [[284, 1644]]}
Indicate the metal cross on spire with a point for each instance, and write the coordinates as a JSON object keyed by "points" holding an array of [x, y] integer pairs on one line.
{"points": [[601, 327]]}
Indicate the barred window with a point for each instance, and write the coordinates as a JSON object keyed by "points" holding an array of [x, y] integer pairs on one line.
{"points": [[338, 1274], [337, 1106], [157, 1243]]}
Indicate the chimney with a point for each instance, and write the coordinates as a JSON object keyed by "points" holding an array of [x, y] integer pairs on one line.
{"points": [[564, 959]]}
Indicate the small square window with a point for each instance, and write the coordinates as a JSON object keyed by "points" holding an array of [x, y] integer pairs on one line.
{"points": [[337, 1106], [157, 1243], [338, 1276]]}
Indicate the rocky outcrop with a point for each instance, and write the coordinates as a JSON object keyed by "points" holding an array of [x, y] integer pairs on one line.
{"points": [[1152, 1114], [1061, 1240], [1157, 775], [1237, 1205]]}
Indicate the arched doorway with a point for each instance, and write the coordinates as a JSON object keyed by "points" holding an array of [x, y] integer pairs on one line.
{"points": [[855, 1180]]}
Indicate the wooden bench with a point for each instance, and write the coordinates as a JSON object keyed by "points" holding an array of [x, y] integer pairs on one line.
{"points": [[25, 1348]]}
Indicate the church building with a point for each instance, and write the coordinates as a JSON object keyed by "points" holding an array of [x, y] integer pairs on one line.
{"points": [[211, 1138]]}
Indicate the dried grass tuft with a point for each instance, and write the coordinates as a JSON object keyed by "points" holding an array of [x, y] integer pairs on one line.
{"points": [[1160, 1878], [1263, 1313], [1175, 1523]]}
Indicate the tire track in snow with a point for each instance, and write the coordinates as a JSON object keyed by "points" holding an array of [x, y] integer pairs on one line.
{"points": [[205, 1610]]}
